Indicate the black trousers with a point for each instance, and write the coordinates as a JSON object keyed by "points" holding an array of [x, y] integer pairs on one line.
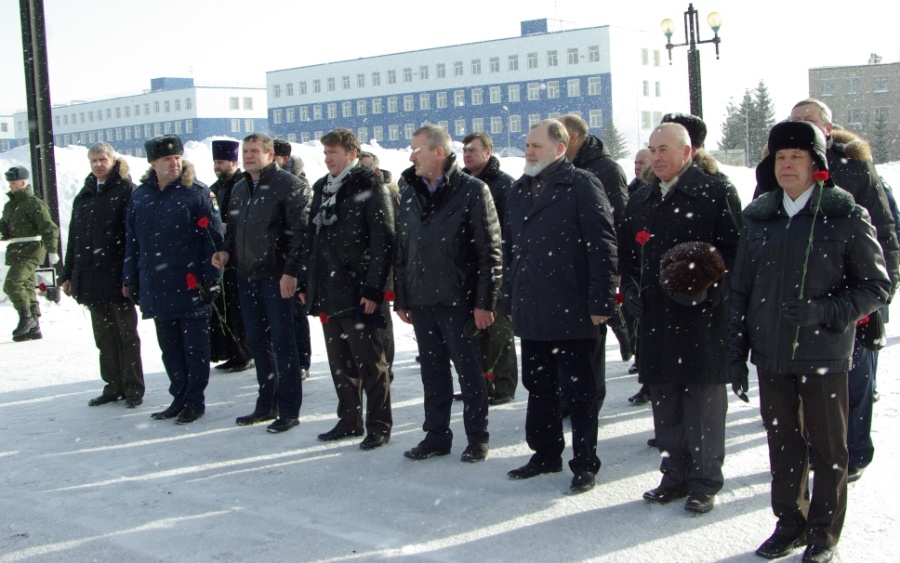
{"points": [[861, 382], [228, 340], [689, 421], [439, 333], [802, 412], [117, 339], [357, 359], [547, 365], [184, 343], [497, 348]]}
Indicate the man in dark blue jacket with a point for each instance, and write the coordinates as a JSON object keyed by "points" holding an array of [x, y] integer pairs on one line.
{"points": [[172, 228]]}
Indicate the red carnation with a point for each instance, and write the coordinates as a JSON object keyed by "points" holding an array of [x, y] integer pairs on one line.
{"points": [[620, 298], [42, 287], [324, 318], [203, 222], [863, 321], [489, 375], [821, 175], [389, 296], [192, 281], [642, 237]]}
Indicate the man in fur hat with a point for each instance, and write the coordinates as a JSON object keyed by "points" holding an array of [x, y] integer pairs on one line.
{"points": [[92, 274], [797, 327], [172, 228]]}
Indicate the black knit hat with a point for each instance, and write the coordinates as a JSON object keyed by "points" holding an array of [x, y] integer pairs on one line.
{"points": [[225, 150], [166, 145], [16, 173], [801, 135], [282, 147], [695, 126]]}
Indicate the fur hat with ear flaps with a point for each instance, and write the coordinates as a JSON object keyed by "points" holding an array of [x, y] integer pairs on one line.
{"points": [[690, 268], [801, 135]]}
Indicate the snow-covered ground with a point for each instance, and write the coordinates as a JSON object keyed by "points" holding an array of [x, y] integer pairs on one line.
{"points": [[110, 484]]}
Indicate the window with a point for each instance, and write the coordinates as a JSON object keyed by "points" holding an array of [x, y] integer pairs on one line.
{"points": [[573, 87], [445, 125], [302, 87], [407, 75], [515, 123], [477, 96], [119, 133], [330, 85], [477, 124], [854, 85], [118, 115], [827, 87], [424, 101], [177, 108], [572, 56], [318, 134], [363, 134], [317, 86], [292, 137], [655, 57], [495, 64], [458, 68], [304, 113], [109, 112], [148, 132], [855, 118], [441, 70], [137, 131], [248, 103], [594, 86], [155, 108], [392, 104], [290, 115], [361, 106], [393, 132], [423, 72], [137, 109], [459, 98], [459, 126], [409, 103], [645, 56], [276, 90], [376, 105], [441, 100], [552, 89], [532, 60], [376, 79], [304, 137], [276, 116], [595, 118], [534, 91], [378, 132], [594, 54], [248, 125], [494, 94], [476, 66], [346, 109], [233, 103], [646, 88], [533, 119], [177, 129], [146, 110], [645, 120], [879, 83], [552, 59], [408, 131], [513, 92], [513, 62], [496, 125], [288, 89], [360, 80], [392, 77], [317, 111], [331, 111], [658, 89]]}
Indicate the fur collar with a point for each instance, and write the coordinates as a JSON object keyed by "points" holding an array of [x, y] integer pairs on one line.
{"points": [[120, 171], [490, 172], [188, 175], [701, 159], [835, 203], [850, 145]]}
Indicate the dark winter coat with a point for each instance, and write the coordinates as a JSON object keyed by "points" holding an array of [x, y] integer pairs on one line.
{"points": [[448, 243], [499, 182], [559, 255], [223, 190], [95, 248], [351, 258], [851, 168], [267, 226], [679, 343], [595, 157], [845, 268], [634, 185], [164, 244]]}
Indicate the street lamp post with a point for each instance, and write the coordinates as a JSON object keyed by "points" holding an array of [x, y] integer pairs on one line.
{"points": [[691, 40]]}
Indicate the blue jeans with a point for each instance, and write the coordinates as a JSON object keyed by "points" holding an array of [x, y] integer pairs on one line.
{"points": [[269, 325], [184, 343]]}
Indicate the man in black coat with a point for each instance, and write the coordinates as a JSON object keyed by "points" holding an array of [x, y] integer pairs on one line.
{"points": [[496, 344], [349, 253], [559, 285], [797, 325], [447, 275], [92, 274], [228, 341], [682, 337], [268, 214]]}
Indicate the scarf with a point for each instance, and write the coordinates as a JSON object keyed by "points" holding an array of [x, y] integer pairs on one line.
{"points": [[327, 214]]}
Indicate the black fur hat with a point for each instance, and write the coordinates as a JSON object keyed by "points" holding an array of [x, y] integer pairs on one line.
{"points": [[165, 145], [282, 147], [225, 150], [690, 268], [792, 135], [695, 126]]}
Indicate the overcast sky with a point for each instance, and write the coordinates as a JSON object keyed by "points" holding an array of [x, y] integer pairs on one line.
{"points": [[100, 48]]}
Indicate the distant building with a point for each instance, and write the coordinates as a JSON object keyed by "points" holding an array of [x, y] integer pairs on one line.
{"points": [[500, 86], [861, 95], [172, 105], [7, 133]]}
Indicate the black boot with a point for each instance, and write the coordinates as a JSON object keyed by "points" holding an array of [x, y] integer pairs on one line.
{"points": [[26, 323], [33, 334]]}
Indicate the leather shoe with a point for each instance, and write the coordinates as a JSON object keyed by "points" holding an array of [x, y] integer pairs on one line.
{"points": [[582, 482], [170, 412], [495, 400], [699, 503], [653, 443], [188, 415], [132, 402], [664, 495], [282, 425], [373, 441], [854, 474], [457, 397], [240, 366], [255, 417], [425, 450], [226, 365], [102, 400], [779, 545], [818, 554], [474, 453], [338, 433], [633, 369], [639, 398], [532, 469]]}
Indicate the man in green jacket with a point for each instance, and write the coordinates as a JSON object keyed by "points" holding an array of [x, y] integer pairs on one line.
{"points": [[32, 234]]}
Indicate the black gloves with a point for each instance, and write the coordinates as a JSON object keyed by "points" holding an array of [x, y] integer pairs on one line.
{"points": [[739, 380], [689, 300], [633, 303], [211, 293], [132, 293], [803, 312]]}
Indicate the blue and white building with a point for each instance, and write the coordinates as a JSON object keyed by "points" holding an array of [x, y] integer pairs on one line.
{"points": [[172, 105], [500, 86], [7, 133]]}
